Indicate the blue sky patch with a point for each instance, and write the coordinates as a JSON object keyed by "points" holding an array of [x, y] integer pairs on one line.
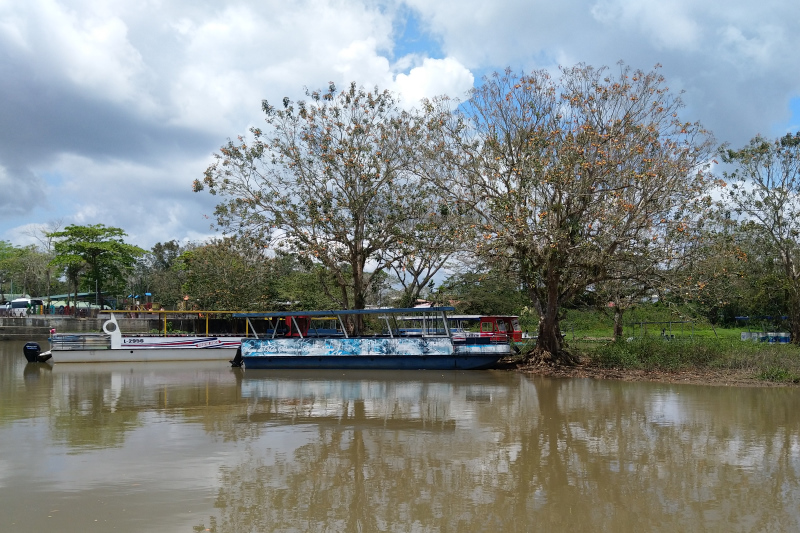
{"points": [[793, 124], [413, 38]]}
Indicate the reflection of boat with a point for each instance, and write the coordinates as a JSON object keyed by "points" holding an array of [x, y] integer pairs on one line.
{"points": [[170, 372], [33, 372], [351, 385], [371, 339], [113, 346], [402, 399]]}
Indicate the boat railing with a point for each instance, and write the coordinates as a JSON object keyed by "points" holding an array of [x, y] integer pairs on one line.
{"points": [[200, 322], [382, 322], [83, 341]]}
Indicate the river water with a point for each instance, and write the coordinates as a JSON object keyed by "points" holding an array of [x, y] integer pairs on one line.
{"points": [[202, 447]]}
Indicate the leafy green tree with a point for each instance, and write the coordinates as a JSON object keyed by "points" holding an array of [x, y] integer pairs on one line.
{"points": [[33, 270], [161, 272], [229, 274], [636, 278], [331, 180], [764, 191], [618, 295], [42, 234], [302, 284], [482, 290], [7, 267], [97, 253], [743, 279], [573, 177], [26, 267]]}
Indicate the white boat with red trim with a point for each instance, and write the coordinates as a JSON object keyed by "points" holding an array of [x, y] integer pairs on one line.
{"points": [[113, 346]]}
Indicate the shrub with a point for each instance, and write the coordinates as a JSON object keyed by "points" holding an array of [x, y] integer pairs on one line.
{"points": [[658, 353]]}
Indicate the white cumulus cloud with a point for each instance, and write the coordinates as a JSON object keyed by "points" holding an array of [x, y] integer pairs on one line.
{"points": [[435, 77]]}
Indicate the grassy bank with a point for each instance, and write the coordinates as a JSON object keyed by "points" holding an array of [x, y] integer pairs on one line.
{"points": [[659, 338], [771, 362]]}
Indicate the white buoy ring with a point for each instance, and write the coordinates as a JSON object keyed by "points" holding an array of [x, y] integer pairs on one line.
{"points": [[110, 326]]}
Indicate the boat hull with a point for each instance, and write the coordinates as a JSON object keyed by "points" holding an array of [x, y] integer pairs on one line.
{"points": [[370, 353], [146, 349], [411, 362], [147, 355]]}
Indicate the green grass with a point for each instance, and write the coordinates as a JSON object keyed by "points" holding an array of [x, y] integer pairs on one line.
{"points": [[647, 319], [690, 345], [771, 362]]}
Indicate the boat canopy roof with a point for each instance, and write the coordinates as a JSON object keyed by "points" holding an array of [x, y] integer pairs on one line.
{"points": [[341, 312]]}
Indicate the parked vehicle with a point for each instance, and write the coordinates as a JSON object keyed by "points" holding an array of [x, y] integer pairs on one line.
{"points": [[23, 306]]}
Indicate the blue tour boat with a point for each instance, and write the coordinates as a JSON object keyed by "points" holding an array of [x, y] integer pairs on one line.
{"points": [[364, 339]]}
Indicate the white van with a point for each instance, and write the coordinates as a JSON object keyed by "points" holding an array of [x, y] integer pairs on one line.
{"points": [[20, 306]]}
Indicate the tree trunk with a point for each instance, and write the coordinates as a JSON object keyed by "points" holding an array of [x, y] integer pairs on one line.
{"points": [[550, 344], [359, 300], [794, 315], [618, 311], [795, 331], [549, 339]]}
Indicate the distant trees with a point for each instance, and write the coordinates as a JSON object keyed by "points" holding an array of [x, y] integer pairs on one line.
{"points": [[764, 192], [301, 284], [6, 252], [480, 289], [574, 179], [160, 272], [12, 269], [229, 274], [166, 273], [434, 237], [734, 274], [620, 294], [24, 267]]}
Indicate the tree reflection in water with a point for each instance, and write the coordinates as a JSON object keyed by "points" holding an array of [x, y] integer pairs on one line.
{"points": [[423, 451], [518, 454]]}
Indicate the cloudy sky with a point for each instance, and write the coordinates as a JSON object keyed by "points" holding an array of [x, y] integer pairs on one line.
{"points": [[110, 109]]}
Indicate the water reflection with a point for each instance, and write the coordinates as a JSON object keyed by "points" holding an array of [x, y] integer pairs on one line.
{"points": [[396, 400], [207, 447], [476, 451]]}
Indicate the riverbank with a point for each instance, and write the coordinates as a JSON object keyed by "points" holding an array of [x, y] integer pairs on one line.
{"points": [[693, 376], [698, 360]]}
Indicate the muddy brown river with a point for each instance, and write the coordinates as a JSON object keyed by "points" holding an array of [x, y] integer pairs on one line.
{"points": [[182, 447]]}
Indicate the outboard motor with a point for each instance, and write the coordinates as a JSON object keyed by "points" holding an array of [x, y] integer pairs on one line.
{"points": [[33, 353]]}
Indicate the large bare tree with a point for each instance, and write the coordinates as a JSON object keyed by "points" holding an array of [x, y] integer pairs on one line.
{"points": [[331, 179], [574, 178]]}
